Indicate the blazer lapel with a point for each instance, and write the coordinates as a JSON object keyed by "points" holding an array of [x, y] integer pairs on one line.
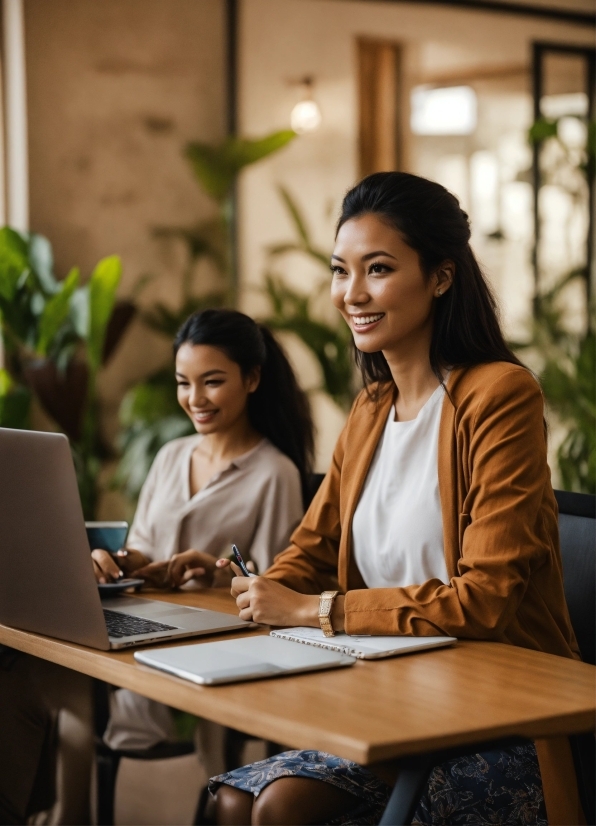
{"points": [[448, 477], [363, 441]]}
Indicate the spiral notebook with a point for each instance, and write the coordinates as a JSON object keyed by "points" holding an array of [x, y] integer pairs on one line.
{"points": [[363, 647]]}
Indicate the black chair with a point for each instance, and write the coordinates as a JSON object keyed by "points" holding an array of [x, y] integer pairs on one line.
{"points": [[108, 760], [577, 531]]}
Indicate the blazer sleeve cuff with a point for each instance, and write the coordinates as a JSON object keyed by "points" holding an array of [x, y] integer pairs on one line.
{"points": [[362, 616]]}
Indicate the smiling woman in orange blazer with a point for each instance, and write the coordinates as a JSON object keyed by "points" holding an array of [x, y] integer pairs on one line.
{"points": [[442, 463]]}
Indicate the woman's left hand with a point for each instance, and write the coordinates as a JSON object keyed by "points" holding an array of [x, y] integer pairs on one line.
{"points": [[180, 569]]}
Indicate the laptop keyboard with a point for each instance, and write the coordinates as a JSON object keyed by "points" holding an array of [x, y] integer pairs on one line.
{"points": [[126, 625]]}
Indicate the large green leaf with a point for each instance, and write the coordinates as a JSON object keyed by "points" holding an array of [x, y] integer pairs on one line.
{"points": [[79, 311], [217, 167], [246, 151], [14, 262], [102, 296], [41, 259], [15, 402], [56, 311], [6, 382]]}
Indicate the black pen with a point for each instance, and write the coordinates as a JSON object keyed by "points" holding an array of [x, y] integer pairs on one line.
{"points": [[241, 562]]}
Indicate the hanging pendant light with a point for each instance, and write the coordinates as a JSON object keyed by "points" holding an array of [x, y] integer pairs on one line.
{"points": [[306, 115]]}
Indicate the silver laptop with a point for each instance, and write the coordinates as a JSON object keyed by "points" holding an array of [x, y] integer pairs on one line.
{"points": [[47, 584]]}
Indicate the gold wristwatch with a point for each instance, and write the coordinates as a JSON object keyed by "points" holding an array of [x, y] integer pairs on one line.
{"points": [[325, 608]]}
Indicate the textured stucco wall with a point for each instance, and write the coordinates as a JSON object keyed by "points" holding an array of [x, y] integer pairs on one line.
{"points": [[115, 90]]}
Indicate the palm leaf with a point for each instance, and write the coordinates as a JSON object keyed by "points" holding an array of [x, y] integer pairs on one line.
{"points": [[216, 167], [56, 312], [102, 296]]}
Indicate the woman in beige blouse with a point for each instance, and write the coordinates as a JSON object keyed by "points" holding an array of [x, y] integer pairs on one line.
{"points": [[240, 479]]}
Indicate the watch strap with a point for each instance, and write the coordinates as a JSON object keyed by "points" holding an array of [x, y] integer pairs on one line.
{"points": [[326, 601]]}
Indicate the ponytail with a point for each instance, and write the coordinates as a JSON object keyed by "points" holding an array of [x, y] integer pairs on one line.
{"points": [[279, 408]]}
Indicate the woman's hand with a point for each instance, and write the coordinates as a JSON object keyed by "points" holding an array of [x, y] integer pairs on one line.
{"points": [[182, 568], [191, 564], [112, 567], [265, 601], [155, 574], [104, 567]]}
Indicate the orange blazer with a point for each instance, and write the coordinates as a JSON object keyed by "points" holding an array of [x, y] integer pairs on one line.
{"points": [[500, 532]]}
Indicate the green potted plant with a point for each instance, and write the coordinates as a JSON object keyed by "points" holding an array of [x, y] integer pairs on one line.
{"points": [[57, 335]]}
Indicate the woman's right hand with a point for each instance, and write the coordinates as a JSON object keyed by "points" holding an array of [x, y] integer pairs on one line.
{"points": [[112, 567]]}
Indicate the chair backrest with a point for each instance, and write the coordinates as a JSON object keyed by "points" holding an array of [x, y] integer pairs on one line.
{"points": [[577, 531]]}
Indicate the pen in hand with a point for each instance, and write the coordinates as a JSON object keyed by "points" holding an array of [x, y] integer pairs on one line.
{"points": [[240, 561]]}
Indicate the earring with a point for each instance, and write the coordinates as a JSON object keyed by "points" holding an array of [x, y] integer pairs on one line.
{"points": [[439, 292]]}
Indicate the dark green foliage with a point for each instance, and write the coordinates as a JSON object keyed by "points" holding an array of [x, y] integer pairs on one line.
{"points": [[217, 167], [332, 346], [294, 312], [568, 371], [54, 334], [568, 378], [150, 417], [569, 384]]}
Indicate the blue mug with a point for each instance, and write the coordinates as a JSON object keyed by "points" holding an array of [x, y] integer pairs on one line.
{"points": [[110, 536]]}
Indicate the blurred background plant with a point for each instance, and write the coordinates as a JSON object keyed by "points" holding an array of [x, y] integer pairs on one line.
{"points": [[57, 335], [563, 350], [566, 363], [149, 414], [296, 312]]}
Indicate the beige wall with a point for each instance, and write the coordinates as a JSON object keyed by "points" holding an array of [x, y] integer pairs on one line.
{"points": [[286, 39], [116, 87], [115, 90]]}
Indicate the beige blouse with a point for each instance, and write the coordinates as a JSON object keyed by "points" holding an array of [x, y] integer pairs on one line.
{"points": [[256, 503]]}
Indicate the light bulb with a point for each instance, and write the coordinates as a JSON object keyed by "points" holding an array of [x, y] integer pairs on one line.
{"points": [[305, 117]]}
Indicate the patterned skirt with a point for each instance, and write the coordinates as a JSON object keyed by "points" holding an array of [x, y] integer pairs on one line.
{"points": [[494, 788]]}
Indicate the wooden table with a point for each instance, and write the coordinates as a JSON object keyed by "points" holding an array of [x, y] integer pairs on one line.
{"points": [[376, 710]]}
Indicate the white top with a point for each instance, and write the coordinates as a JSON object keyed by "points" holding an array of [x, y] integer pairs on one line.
{"points": [[256, 502], [397, 529]]}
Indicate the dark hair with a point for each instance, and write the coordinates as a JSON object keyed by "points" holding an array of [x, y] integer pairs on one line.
{"points": [[466, 328], [278, 409]]}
